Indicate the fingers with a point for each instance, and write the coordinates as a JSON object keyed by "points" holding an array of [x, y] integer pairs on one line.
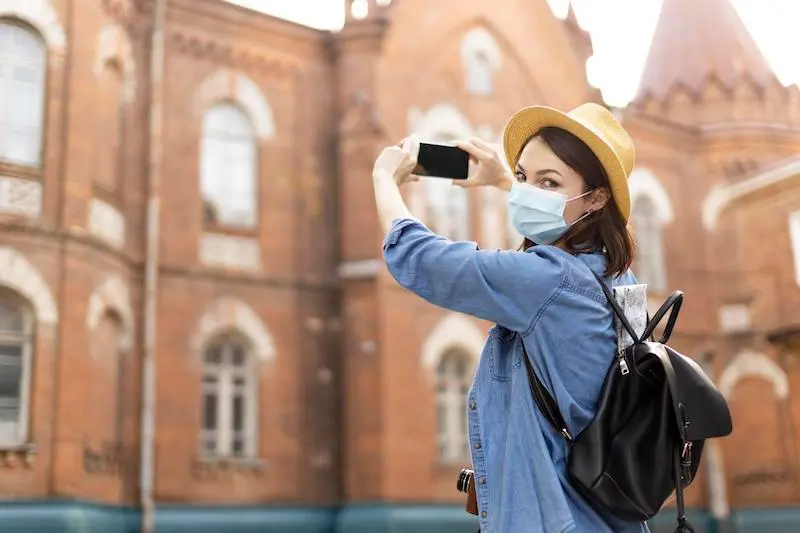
{"points": [[414, 148], [474, 150], [464, 184], [486, 147]]}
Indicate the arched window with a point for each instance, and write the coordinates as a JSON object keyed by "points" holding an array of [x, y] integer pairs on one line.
{"points": [[492, 226], [109, 131], [16, 353], [228, 161], [481, 56], [649, 264], [513, 236], [109, 386], [229, 403], [453, 380], [447, 205], [480, 79], [447, 209], [23, 66]]}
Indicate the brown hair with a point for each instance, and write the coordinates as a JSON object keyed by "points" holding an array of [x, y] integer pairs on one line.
{"points": [[604, 229]]}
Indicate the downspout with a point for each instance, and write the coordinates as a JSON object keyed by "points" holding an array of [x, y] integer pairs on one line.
{"points": [[715, 467], [66, 90], [146, 466]]}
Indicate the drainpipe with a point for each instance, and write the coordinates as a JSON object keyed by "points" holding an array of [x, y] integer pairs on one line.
{"points": [[147, 444], [715, 468]]}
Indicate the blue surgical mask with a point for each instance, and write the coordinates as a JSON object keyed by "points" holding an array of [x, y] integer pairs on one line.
{"points": [[538, 214]]}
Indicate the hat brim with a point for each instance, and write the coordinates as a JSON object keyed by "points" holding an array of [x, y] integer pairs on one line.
{"points": [[529, 121]]}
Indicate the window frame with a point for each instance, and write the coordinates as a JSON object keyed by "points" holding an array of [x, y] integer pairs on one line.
{"points": [[225, 389], [655, 266], [251, 227], [444, 216], [452, 392], [480, 62], [20, 168], [26, 340]]}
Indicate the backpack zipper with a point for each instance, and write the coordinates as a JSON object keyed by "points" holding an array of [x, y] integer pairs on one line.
{"points": [[623, 364]]}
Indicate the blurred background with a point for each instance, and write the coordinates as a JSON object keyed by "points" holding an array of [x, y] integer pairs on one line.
{"points": [[197, 332]]}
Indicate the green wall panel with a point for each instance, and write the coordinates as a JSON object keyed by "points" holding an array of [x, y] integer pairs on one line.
{"points": [[405, 519], [785, 520], [82, 517]]}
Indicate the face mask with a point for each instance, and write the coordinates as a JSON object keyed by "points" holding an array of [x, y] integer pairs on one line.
{"points": [[538, 214]]}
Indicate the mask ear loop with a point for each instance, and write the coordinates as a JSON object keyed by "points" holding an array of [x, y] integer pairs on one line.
{"points": [[587, 213]]}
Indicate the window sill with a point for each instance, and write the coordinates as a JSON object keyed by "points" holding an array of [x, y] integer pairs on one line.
{"points": [[213, 467], [108, 195], [18, 447], [20, 171], [231, 231], [17, 455]]}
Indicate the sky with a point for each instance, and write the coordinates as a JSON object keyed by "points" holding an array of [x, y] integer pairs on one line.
{"points": [[621, 33]]}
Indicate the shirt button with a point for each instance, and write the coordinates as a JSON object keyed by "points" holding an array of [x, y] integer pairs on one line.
{"points": [[473, 405], [478, 445], [483, 514], [483, 480]]}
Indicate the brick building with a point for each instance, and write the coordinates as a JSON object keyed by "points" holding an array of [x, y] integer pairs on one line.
{"points": [[238, 357]]}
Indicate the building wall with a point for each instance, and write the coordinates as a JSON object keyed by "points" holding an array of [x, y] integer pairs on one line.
{"points": [[84, 247], [344, 360]]}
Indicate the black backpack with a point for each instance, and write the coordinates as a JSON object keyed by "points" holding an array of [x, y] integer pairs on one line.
{"points": [[655, 410]]}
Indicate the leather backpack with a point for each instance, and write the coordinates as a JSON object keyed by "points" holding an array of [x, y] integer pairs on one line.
{"points": [[655, 411]]}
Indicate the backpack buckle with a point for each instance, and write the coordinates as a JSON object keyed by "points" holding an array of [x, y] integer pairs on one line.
{"points": [[686, 462]]}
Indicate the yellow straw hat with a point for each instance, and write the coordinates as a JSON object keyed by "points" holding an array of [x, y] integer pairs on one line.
{"points": [[591, 123]]}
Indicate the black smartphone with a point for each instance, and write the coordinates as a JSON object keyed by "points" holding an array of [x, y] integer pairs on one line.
{"points": [[442, 161]]}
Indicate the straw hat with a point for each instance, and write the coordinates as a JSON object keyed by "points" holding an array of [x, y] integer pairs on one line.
{"points": [[591, 123]]}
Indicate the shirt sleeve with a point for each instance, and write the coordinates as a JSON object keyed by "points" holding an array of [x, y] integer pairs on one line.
{"points": [[505, 287]]}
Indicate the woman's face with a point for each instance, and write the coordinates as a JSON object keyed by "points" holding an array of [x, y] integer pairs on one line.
{"points": [[540, 167]]}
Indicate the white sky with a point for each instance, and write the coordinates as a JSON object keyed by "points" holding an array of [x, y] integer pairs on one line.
{"points": [[621, 33]]}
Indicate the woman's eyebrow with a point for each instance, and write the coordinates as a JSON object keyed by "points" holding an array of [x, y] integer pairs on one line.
{"points": [[545, 171]]}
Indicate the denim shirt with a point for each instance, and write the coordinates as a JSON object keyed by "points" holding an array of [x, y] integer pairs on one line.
{"points": [[554, 303]]}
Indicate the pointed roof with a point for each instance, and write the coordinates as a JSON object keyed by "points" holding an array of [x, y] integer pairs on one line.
{"points": [[697, 39]]}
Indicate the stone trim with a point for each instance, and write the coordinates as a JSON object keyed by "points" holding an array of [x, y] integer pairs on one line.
{"points": [[231, 314], [440, 119], [644, 183], [113, 294], [480, 40], [18, 274], [113, 45], [750, 363], [722, 195], [453, 331], [41, 15], [228, 85]]}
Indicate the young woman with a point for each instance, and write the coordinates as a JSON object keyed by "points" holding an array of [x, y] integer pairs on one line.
{"points": [[568, 196]]}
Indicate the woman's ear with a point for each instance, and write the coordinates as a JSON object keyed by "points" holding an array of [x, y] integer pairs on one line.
{"points": [[598, 199]]}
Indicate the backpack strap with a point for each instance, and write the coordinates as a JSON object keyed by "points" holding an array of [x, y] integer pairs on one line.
{"points": [[672, 303], [544, 400]]}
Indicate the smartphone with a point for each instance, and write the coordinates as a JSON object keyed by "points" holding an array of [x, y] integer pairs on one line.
{"points": [[442, 161]]}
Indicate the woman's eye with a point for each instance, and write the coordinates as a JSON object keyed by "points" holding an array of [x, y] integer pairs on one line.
{"points": [[547, 183], [520, 177]]}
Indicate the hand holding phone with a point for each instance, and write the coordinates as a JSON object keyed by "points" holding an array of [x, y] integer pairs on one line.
{"points": [[442, 161], [490, 167]]}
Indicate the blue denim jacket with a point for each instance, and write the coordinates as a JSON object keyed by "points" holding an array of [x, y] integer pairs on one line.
{"points": [[551, 298]]}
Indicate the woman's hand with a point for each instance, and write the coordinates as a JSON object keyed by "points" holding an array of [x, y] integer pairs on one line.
{"points": [[398, 161], [489, 169]]}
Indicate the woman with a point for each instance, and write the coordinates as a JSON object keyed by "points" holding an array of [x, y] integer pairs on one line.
{"points": [[568, 196]]}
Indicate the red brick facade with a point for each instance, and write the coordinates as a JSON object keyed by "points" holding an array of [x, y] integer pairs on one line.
{"points": [[345, 360]]}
